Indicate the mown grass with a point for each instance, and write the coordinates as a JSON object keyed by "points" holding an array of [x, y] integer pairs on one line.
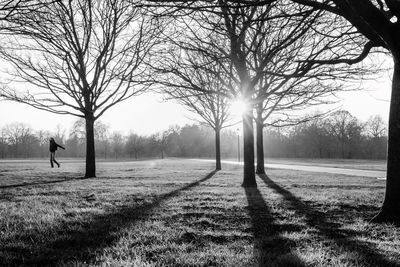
{"points": [[181, 213]]}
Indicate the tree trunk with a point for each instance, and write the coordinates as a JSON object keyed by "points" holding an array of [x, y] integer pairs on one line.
{"points": [[390, 211], [90, 152], [342, 148], [260, 142], [249, 176], [217, 149]]}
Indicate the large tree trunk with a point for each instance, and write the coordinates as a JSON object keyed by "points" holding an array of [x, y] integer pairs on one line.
{"points": [[390, 211], [217, 148], [249, 176], [260, 142], [90, 152]]}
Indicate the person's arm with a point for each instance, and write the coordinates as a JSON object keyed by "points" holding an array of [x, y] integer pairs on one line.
{"points": [[61, 146]]}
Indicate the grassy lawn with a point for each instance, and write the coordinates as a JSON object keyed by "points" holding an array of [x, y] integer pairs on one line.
{"points": [[362, 164], [181, 213]]}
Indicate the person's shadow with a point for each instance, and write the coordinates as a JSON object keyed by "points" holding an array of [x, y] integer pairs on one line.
{"points": [[331, 231]]}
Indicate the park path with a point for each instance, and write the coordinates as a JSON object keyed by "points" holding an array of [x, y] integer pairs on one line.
{"points": [[354, 172]]}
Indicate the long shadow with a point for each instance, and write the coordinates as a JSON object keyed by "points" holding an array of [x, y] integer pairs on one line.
{"points": [[270, 248], [330, 230], [38, 183], [55, 182], [102, 231]]}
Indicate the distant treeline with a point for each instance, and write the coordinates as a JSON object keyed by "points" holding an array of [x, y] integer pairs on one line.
{"points": [[339, 135]]}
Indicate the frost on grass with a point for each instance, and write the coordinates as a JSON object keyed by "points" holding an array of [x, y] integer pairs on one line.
{"points": [[181, 213]]}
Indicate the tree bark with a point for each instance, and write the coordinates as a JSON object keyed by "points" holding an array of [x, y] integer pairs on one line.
{"points": [[90, 151], [217, 148], [390, 210], [249, 176], [260, 142]]}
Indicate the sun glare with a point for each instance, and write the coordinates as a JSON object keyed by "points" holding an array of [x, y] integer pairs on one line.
{"points": [[238, 107]]}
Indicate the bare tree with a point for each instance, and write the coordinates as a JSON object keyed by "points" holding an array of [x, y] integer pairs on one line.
{"points": [[344, 127], [376, 133], [117, 144], [18, 135], [280, 42], [59, 133], [337, 135], [209, 34], [43, 140], [376, 126], [267, 52], [160, 140], [379, 22], [81, 59], [189, 79], [78, 130], [101, 133], [3, 143], [12, 9], [134, 144]]}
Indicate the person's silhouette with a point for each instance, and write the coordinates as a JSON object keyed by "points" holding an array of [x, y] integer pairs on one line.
{"points": [[53, 148]]}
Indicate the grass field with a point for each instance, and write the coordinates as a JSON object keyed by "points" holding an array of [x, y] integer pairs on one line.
{"points": [[362, 164], [181, 213]]}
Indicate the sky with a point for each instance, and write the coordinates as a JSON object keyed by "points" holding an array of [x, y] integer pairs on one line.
{"points": [[144, 114], [148, 113]]}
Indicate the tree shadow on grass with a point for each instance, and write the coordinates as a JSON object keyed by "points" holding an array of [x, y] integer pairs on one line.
{"points": [[57, 182], [37, 183], [80, 244], [330, 230], [270, 248]]}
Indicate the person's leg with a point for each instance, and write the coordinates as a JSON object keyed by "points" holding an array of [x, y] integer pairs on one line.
{"points": [[54, 159], [51, 159]]}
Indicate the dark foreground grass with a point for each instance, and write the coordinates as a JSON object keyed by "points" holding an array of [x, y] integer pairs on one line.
{"points": [[182, 213]]}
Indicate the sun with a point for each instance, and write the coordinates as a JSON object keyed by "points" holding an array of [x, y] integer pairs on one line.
{"points": [[238, 107]]}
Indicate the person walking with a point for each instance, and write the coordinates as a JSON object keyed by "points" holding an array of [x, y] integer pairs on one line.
{"points": [[53, 148]]}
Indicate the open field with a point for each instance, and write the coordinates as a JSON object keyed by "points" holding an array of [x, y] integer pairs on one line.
{"points": [[181, 213], [362, 164], [317, 168]]}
